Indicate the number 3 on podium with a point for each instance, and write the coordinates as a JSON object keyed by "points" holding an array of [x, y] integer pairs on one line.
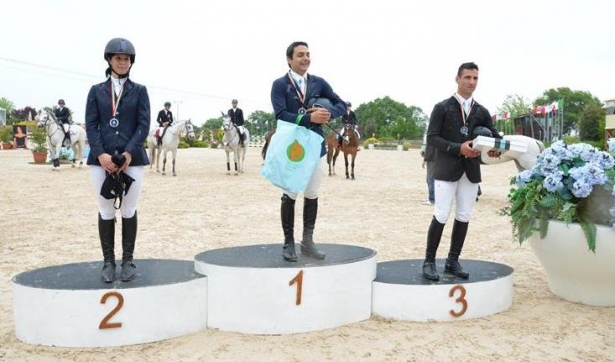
{"points": [[461, 300]]}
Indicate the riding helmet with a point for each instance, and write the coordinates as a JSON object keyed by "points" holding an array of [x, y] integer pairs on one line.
{"points": [[120, 46], [61, 102], [167, 104], [320, 103], [482, 131]]}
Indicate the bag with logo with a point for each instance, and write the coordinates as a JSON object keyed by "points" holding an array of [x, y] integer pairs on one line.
{"points": [[292, 156]]}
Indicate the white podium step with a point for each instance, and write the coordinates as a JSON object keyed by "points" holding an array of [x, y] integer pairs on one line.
{"points": [[251, 289], [400, 291], [70, 306]]}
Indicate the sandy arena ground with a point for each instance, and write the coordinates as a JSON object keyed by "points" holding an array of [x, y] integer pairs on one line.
{"points": [[49, 218]]}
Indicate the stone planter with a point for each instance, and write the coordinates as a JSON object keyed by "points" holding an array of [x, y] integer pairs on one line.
{"points": [[575, 273]]}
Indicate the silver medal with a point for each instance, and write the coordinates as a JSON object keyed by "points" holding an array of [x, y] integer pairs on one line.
{"points": [[464, 130], [113, 122]]}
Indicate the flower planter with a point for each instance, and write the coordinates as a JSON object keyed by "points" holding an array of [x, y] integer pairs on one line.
{"points": [[575, 273], [40, 157]]}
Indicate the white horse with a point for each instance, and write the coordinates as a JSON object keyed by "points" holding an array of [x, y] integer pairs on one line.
{"points": [[170, 142], [55, 137], [523, 161], [231, 144]]}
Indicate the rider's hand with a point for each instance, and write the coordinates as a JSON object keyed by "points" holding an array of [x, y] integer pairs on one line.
{"points": [[128, 160], [319, 115], [467, 150], [106, 163]]}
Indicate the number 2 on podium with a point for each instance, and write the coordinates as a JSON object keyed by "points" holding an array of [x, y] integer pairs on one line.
{"points": [[104, 324], [299, 280]]}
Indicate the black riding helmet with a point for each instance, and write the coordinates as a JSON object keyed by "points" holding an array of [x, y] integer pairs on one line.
{"points": [[167, 104], [119, 46]]}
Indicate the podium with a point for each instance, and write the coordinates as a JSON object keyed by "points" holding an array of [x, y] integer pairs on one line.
{"points": [[69, 305], [400, 291], [251, 289]]}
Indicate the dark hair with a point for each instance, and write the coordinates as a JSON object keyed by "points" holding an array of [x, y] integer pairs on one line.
{"points": [[469, 65], [291, 48]]}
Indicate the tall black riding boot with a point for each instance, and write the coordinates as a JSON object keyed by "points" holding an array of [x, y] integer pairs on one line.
{"points": [[129, 236], [310, 210], [288, 225], [452, 266], [433, 241], [106, 233]]}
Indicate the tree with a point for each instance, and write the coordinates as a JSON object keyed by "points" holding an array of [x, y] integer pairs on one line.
{"points": [[574, 102], [514, 105], [8, 106], [590, 119], [260, 122], [24, 113], [387, 118]]}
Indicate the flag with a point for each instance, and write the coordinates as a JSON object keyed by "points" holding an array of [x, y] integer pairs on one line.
{"points": [[503, 116]]}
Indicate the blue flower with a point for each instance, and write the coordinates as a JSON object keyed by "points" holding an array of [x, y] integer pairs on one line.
{"points": [[553, 182]]}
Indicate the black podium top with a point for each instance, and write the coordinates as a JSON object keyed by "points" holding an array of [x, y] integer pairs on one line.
{"points": [[409, 272], [86, 276], [270, 256]]}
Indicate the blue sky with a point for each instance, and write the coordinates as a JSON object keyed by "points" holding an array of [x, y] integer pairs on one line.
{"points": [[201, 54]]}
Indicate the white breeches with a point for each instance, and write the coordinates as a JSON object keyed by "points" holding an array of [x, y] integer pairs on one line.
{"points": [[311, 191], [463, 192], [129, 202]]}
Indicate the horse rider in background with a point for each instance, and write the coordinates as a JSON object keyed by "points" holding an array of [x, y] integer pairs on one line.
{"points": [[63, 115], [236, 115], [165, 119], [349, 119]]}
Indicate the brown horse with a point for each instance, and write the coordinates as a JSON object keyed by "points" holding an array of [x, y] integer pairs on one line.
{"points": [[267, 141], [350, 146], [332, 151]]}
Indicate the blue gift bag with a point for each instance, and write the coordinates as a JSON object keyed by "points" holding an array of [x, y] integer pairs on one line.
{"points": [[292, 156]]}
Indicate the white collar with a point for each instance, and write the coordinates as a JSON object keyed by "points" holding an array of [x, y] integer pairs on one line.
{"points": [[460, 99], [296, 76]]}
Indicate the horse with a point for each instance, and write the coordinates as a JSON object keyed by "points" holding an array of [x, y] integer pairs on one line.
{"points": [[523, 161], [332, 151], [55, 138], [267, 141], [231, 144], [350, 146], [170, 143]]}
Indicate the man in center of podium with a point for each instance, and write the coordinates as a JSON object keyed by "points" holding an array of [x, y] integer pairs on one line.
{"points": [[457, 168]]}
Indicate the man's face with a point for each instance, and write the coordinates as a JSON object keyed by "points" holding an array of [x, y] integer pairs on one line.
{"points": [[466, 82], [234, 104], [300, 62]]}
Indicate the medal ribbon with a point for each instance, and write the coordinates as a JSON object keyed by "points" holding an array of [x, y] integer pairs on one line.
{"points": [[298, 90], [463, 112], [115, 102]]}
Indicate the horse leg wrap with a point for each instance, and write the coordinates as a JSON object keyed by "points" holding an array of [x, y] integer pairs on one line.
{"points": [[310, 211], [433, 241], [129, 236], [106, 233], [452, 266], [287, 212]]}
